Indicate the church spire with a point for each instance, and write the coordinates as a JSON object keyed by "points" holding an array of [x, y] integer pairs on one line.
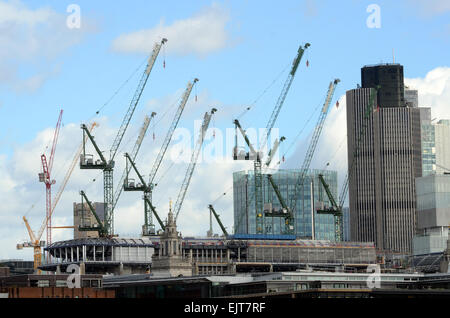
{"points": [[170, 220]]}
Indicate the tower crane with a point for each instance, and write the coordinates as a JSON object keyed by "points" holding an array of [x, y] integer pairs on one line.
{"points": [[191, 167], [336, 208], [147, 188], [86, 161], [45, 177], [213, 211], [35, 240], [256, 156], [313, 144], [133, 156]]}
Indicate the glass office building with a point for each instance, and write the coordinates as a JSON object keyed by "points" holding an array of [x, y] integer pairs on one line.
{"points": [[244, 203]]}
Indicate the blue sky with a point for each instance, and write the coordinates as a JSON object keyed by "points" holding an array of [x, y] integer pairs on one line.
{"points": [[262, 39], [237, 50]]}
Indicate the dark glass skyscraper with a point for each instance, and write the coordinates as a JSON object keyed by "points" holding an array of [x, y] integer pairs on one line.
{"points": [[384, 155]]}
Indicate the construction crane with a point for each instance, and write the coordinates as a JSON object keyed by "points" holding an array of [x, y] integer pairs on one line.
{"points": [[35, 243], [148, 228], [284, 92], [268, 209], [336, 208], [313, 144], [191, 167], [45, 177], [35, 240], [71, 168], [257, 156], [147, 188], [86, 161], [213, 212], [133, 156]]}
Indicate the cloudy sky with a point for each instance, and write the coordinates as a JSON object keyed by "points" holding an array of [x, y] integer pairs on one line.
{"points": [[86, 57]]}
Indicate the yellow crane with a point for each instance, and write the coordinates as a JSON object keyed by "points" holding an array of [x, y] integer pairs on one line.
{"points": [[35, 240]]}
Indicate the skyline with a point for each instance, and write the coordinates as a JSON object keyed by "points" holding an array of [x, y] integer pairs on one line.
{"points": [[50, 67]]}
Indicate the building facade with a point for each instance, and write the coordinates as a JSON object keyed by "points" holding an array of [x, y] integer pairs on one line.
{"points": [[346, 224], [116, 256], [442, 137], [311, 197], [428, 143], [384, 156]]}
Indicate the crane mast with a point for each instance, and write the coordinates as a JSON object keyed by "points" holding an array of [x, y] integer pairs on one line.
{"points": [[257, 161], [133, 156], [45, 177], [108, 166], [194, 157], [313, 144], [149, 228]]}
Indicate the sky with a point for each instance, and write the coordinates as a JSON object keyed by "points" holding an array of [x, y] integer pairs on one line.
{"points": [[86, 57]]}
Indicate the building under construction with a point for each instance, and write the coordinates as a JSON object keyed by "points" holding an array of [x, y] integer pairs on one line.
{"points": [[100, 250], [172, 255]]}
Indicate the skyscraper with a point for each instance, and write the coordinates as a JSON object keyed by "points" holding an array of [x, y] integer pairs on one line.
{"points": [[312, 196], [384, 155]]}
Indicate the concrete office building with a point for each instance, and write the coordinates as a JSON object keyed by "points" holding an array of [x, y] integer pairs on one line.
{"points": [[244, 203], [384, 155]]}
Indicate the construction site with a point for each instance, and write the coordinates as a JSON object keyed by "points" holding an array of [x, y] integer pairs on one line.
{"points": [[283, 220]]}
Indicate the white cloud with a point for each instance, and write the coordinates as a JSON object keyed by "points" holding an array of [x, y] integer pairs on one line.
{"points": [[200, 34], [431, 7], [434, 91], [34, 37]]}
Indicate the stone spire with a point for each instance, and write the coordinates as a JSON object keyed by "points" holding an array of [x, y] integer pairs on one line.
{"points": [[170, 221]]}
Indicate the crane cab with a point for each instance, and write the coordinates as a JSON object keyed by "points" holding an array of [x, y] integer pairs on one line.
{"points": [[130, 184], [148, 230], [87, 162]]}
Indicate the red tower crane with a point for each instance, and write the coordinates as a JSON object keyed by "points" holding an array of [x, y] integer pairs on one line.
{"points": [[45, 177]]}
